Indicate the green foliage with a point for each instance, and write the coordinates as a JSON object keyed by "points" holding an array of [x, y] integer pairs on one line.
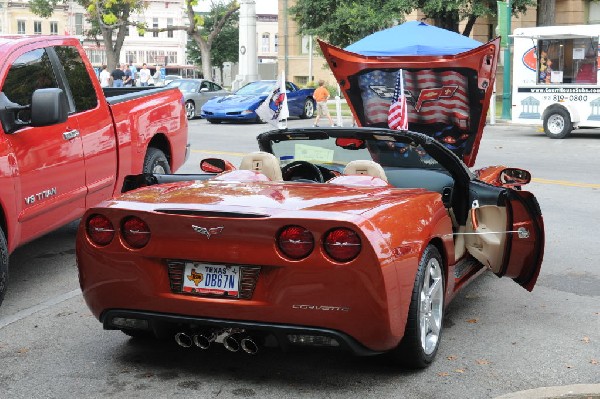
{"points": [[343, 22], [225, 45]]}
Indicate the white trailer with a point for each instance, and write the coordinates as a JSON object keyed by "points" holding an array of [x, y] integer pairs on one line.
{"points": [[555, 78]]}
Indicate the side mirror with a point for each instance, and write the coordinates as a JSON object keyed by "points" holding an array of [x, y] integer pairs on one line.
{"points": [[216, 165], [49, 107], [514, 177]]}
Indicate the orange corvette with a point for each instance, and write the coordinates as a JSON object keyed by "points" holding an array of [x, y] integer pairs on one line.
{"points": [[349, 238]]}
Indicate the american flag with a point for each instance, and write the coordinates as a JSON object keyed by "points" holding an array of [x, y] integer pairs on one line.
{"points": [[398, 115], [432, 96]]}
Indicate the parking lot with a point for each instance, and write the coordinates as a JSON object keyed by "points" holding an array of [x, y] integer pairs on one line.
{"points": [[498, 338]]}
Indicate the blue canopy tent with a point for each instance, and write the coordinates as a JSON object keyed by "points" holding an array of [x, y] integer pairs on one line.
{"points": [[413, 38]]}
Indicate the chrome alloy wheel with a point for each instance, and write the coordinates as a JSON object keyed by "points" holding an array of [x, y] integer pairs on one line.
{"points": [[556, 124], [190, 110], [309, 109], [431, 306]]}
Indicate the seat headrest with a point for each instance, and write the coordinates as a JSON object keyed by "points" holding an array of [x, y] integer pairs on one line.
{"points": [[262, 162], [364, 167]]}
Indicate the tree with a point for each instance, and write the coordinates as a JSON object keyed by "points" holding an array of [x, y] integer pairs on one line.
{"points": [[105, 16], [202, 32], [545, 12], [224, 48], [342, 22]]}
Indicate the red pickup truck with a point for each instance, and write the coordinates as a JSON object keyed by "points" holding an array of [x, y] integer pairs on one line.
{"points": [[66, 144]]}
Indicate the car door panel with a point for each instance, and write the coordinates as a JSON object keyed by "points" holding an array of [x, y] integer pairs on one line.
{"points": [[504, 232]]}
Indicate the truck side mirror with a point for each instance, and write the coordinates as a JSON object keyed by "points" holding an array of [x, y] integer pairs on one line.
{"points": [[49, 107]]}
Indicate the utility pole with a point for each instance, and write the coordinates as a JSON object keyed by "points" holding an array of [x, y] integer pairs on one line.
{"points": [[248, 71], [506, 95]]}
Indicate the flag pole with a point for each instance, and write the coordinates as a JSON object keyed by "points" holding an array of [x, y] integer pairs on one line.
{"points": [[282, 124]]}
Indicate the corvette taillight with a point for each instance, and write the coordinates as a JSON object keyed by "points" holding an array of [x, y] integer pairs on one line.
{"points": [[295, 242], [135, 232], [342, 244], [100, 230]]}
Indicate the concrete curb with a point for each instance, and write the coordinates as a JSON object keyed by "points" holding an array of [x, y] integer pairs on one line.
{"points": [[581, 391]]}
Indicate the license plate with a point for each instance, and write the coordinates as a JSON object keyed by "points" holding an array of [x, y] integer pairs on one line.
{"points": [[205, 278]]}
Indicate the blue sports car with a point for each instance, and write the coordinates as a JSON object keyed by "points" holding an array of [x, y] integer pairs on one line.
{"points": [[241, 105]]}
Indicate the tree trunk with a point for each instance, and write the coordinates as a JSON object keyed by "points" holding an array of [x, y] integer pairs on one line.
{"points": [[545, 12], [206, 59]]}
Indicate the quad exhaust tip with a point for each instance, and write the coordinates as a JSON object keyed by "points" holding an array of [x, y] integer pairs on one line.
{"points": [[230, 340]]}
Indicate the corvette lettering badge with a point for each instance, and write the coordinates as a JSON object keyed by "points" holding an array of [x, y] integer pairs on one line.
{"points": [[208, 232]]}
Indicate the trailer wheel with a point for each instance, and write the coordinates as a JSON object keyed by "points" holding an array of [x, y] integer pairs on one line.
{"points": [[3, 266], [557, 123]]}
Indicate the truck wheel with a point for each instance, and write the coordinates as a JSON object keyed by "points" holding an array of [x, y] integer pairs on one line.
{"points": [[156, 162], [557, 124], [190, 110], [3, 266], [425, 315], [309, 109]]}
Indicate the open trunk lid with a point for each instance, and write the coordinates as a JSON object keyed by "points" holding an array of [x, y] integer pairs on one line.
{"points": [[447, 96]]}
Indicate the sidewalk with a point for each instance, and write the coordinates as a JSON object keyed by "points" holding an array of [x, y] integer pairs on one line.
{"points": [[581, 391]]}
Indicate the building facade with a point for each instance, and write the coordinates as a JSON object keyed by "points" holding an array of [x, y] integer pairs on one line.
{"points": [[69, 18]]}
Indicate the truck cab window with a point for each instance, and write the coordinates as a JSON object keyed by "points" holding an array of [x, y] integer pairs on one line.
{"points": [[29, 72], [82, 88]]}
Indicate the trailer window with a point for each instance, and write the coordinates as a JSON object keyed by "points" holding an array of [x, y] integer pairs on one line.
{"points": [[568, 61]]}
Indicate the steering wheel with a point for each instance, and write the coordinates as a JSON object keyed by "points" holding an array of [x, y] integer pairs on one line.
{"points": [[302, 171]]}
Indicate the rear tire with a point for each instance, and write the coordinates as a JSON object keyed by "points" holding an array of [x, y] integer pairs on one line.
{"points": [[156, 162], [425, 315], [557, 123], [3, 265], [308, 111]]}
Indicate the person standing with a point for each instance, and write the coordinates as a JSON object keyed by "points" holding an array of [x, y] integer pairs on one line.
{"points": [[104, 77], [117, 76], [321, 95], [144, 75], [128, 79]]}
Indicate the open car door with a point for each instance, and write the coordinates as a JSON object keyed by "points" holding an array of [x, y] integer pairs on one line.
{"points": [[505, 232]]}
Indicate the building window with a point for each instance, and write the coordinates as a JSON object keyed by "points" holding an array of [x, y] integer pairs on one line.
{"points": [[301, 80], [21, 27], [37, 27], [131, 57], [53, 28], [97, 57], [155, 26], [79, 24], [265, 43], [151, 56], [171, 57], [169, 23], [276, 42]]}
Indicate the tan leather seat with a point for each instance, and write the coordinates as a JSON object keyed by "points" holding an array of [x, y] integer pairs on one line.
{"points": [[363, 167], [262, 162]]}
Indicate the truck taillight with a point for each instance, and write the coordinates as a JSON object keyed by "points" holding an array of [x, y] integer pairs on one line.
{"points": [[100, 230], [295, 242], [135, 232], [342, 244]]}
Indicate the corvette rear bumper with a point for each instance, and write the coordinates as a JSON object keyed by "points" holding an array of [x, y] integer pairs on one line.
{"points": [[112, 320]]}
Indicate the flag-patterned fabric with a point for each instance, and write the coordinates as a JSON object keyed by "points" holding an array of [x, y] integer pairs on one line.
{"points": [[398, 115], [432, 96], [275, 108]]}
